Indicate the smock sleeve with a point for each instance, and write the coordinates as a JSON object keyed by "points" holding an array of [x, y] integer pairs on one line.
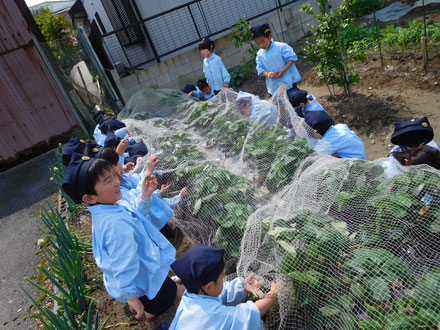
{"points": [[233, 292], [288, 54]]}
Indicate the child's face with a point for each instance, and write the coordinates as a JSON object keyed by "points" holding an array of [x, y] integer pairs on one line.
{"points": [[263, 42], [206, 90], [108, 188], [206, 53]]}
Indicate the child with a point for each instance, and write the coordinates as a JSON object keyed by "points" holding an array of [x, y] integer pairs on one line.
{"points": [[341, 141], [203, 90], [133, 255], [210, 303], [412, 134], [213, 67], [261, 111], [275, 60]]}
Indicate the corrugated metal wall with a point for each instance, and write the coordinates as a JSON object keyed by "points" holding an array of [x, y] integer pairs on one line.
{"points": [[32, 109]]}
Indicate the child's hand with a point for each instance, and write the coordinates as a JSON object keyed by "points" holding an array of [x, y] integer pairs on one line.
{"points": [[139, 161], [278, 74], [226, 85], [183, 192], [251, 285], [271, 74], [151, 163], [128, 167], [122, 147], [164, 188], [149, 184], [136, 306], [191, 93], [274, 289]]}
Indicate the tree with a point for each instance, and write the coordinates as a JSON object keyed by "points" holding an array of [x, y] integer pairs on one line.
{"points": [[326, 48], [60, 36]]}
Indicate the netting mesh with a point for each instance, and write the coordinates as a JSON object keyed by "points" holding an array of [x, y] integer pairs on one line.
{"points": [[349, 248]]}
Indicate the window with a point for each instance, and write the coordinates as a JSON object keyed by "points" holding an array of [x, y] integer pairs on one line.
{"points": [[101, 25], [121, 14]]}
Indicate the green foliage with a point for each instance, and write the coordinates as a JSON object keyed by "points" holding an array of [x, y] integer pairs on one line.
{"points": [[326, 48], [360, 8], [239, 74], [403, 37], [60, 35], [240, 35]]}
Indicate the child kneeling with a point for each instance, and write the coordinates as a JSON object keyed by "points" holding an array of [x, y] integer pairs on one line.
{"points": [[210, 303], [133, 255]]}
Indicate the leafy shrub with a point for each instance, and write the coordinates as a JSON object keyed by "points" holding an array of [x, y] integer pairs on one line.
{"points": [[239, 74]]}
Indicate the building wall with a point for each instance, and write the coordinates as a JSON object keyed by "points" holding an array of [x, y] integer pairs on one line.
{"points": [[33, 110], [185, 67]]}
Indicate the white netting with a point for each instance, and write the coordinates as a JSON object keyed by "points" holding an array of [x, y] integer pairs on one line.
{"points": [[350, 248]]}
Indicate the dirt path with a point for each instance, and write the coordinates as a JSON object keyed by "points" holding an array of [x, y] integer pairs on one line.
{"points": [[23, 189]]}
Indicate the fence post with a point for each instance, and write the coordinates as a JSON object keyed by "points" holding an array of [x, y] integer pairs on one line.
{"points": [[378, 39], [424, 40]]}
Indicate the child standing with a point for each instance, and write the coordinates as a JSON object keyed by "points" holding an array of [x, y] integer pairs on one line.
{"points": [[133, 255], [213, 67], [275, 60]]}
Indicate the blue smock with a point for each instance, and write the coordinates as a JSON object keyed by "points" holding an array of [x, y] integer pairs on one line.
{"points": [[133, 255], [340, 141], [215, 72], [198, 311], [264, 112], [99, 136], [274, 59], [199, 94]]}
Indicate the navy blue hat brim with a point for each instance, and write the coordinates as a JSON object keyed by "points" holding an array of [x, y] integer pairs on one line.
{"points": [[318, 120], [74, 183], [75, 145], [111, 141], [111, 126], [199, 266], [412, 133], [138, 148], [297, 96]]}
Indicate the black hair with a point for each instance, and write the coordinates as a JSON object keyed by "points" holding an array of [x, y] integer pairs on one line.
{"points": [[202, 83], [207, 43], [261, 31], [417, 156], [191, 290], [110, 155], [96, 168]]}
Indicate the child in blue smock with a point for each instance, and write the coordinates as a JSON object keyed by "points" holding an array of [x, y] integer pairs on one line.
{"points": [[412, 134], [275, 60], [210, 303], [337, 140], [162, 209], [134, 256], [203, 91], [260, 111], [213, 67]]}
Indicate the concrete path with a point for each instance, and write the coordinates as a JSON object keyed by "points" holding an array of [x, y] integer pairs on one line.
{"points": [[22, 191]]}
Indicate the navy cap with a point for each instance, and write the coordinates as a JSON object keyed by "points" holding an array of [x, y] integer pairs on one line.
{"points": [[111, 126], [111, 141], [199, 266], [99, 116], [74, 183], [136, 150], [318, 120], [412, 133], [260, 29], [189, 88], [297, 96], [93, 150], [74, 145]]}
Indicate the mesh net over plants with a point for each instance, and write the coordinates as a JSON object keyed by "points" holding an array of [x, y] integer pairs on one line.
{"points": [[350, 248]]}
